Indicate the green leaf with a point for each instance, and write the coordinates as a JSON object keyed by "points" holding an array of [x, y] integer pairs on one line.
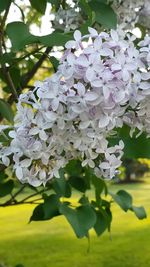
{"points": [[139, 212], [99, 185], [55, 63], [123, 199], [86, 216], [78, 183], [105, 15], [74, 168], [15, 75], [134, 147], [85, 7], [46, 210], [38, 213], [55, 39], [101, 223], [50, 207], [71, 216], [3, 176], [3, 5], [55, 2], [19, 35], [84, 200], [61, 186], [81, 219], [102, 1], [6, 111], [7, 58], [6, 188], [4, 136], [39, 5]]}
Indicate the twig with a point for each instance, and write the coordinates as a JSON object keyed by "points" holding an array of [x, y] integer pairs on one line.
{"points": [[28, 76], [33, 195], [19, 191], [12, 201], [6, 204]]}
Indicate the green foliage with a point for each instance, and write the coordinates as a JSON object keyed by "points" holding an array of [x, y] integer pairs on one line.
{"points": [[6, 188], [56, 3], [135, 147], [81, 219], [85, 214], [6, 111], [103, 221], [47, 210], [54, 62], [78, 183], [7, 58], [105, 15], [124, 200], [18, 33], [55, 39], [139, 212], [4, 4], [40, 6], [61, 186]]}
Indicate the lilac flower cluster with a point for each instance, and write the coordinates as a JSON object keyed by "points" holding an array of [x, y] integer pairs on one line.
{"points": [[102, 83], [131, 12], [68, 19]]}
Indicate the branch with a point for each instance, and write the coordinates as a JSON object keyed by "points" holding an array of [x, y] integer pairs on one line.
{"points": [[12, 201], [20, 203], [18, 192], [28, 76], [33, 195], [8, 78]]}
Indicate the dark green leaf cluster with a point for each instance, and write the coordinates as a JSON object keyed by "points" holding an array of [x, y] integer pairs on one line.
{"points": [[87, 213], [124, 200]]}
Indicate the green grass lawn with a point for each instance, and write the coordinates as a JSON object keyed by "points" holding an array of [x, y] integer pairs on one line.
{"points": [[53, 243]]}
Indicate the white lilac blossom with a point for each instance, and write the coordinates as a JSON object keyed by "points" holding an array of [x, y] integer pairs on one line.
{"points": [[128, 11], [144, 15], [140, 119], [101, 84], [68, 19], [131, 12]]}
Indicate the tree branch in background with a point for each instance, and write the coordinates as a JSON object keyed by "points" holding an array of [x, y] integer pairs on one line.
{"points": [[12, 201], [29, 75]]}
